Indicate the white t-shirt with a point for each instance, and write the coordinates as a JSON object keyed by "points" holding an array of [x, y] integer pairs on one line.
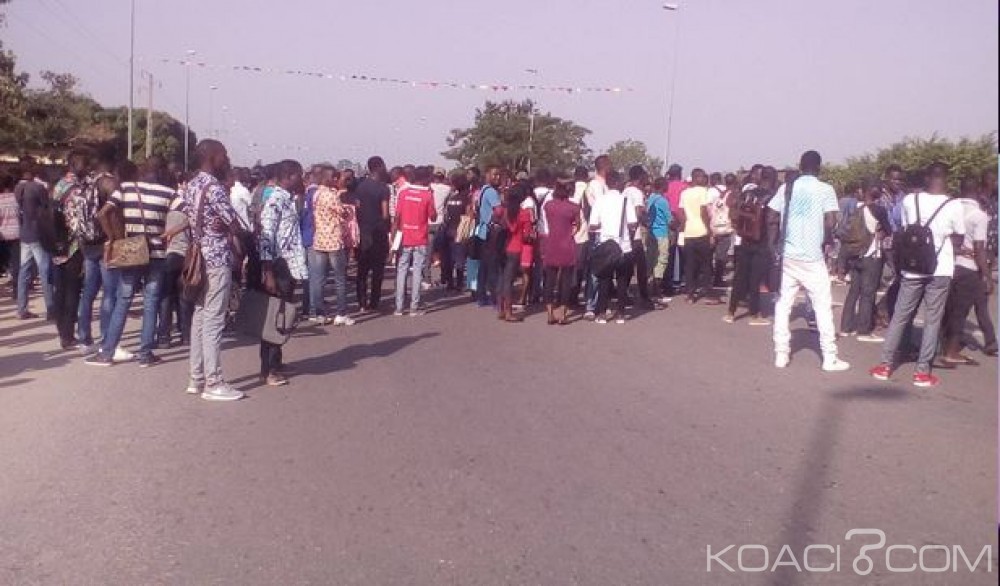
{"points": [[715, 192], [975, 231], [595, 189], [441, 192], [543, 195], [693, 199], [950, 220], [636, 199], [239, 197], [607, 216], [583, 234]]}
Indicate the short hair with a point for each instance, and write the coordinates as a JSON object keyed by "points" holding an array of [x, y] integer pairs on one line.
{"points": [[581, 173], [423, 174], [675, 171], [659, 184], [697, 171], [543, 176], [126, 171], [615, 179], [811, 161], [459, 181], [601, 161], [287, 168], [376, 164], [475, 172], [892, 168], [938, 169], [715, 178], [637, 173], [768, 173]]}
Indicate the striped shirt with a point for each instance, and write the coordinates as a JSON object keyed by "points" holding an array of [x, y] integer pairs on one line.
{"points": [[151, 219]]}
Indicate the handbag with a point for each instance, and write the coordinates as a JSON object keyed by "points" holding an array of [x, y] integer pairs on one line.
{"points": [[609, 253], [464, 230], [194, 279], [131, 251], [266, 318]]}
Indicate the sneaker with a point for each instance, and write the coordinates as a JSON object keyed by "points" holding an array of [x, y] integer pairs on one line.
{"points": [[98, 359], [589, 316], [781, 360], [87, 349], [194, 388], [276, 380], [729, 318], [846, 334], [417, 312], [320, 320], [620, 319], [149, 359], [122, 355], [874, 338], [343, 320], [397, 313], [601, 320], [221, 392], [925, 380], [834, 364], [881, 372], [759, 321]]}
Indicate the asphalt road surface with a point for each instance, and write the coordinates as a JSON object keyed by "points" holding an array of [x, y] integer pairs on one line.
{"points": [[455, 449]]}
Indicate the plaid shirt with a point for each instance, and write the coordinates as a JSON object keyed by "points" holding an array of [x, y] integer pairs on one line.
{"points": [[280, 235]]}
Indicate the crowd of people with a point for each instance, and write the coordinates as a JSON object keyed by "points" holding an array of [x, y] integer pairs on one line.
{"points": [[566, 243]]}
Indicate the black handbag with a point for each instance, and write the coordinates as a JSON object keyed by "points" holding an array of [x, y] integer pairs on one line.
{"points": [[609, 253], [267, 318]]}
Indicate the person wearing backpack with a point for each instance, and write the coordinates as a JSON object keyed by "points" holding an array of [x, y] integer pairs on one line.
{"points": [[753, 258], [861, 251], [722, 224], [808, 210], [926, 259]]}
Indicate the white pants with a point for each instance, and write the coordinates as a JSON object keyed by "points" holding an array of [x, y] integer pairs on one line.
{"points": [[815, 279]]}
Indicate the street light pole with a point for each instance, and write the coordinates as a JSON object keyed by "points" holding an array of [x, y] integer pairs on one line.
{"points": [[211, 110], [131, 77], [673, 85], [187, 106], [531, 125]]}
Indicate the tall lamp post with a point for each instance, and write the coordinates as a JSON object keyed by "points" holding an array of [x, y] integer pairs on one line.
{"points": [[211, 110], [131, 76], [187, 106], [670, 7], [531, 125]]}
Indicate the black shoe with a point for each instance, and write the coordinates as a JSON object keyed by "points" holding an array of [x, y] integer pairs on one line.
{"points": [[27, 315], [163, 344], [99, 359], [149, 359], [68, 344]]}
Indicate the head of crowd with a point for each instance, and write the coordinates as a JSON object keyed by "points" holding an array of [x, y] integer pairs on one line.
{"points": [[593, 244]]}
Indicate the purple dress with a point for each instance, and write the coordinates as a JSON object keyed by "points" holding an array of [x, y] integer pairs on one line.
{"points": [[559, 246]]}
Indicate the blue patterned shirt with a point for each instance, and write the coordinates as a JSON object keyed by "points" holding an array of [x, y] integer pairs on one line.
{"points": [[215, 247], [280, 235]]}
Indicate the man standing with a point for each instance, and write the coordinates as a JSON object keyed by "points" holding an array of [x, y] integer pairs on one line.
{"points": [[752, 260], [441, 190], [693, 215], [371, 197], [415, 210], [808, 209], [144, 205], [658, 240], [489, 256], [675, 265], [33, 199], [211, 216], [635, 195], [582, 236], [282, 256], [596, 190]]}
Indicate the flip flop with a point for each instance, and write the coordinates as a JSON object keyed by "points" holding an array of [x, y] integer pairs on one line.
{"points": [[962, 360]]}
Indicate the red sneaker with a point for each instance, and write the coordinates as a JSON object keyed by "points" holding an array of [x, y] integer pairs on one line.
{"points": [[881, 372], [925, 379]]}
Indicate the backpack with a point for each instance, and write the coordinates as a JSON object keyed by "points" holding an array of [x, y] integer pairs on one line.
{"points": [[855, 238], [749, 217], [915, 250]]}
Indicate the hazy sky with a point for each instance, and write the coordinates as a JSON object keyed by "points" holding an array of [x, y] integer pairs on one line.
{"points": [[757, 80]]}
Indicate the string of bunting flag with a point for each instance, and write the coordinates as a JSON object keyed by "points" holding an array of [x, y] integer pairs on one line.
{"points": [[495, 87]]}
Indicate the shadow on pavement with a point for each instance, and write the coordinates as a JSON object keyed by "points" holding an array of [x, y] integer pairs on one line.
{"points": [[814, 477], [348, 357], [14, 364]]}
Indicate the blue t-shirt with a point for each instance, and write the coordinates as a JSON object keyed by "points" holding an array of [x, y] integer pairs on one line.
{"points": [[488, 199], [811, 200], [659, 215], [307, 221]]}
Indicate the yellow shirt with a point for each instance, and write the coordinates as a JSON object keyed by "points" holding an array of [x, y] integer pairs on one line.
{"points": [[693, 199]]}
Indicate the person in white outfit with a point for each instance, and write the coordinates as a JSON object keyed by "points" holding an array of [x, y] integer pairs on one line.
{"points": [[811, 209]]}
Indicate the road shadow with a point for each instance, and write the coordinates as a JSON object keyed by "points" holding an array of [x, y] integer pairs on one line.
{"points": [[807, 504], [349, 356], [15, 364]]}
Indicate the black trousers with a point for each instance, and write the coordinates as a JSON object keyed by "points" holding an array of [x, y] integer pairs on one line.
{"points": [[698, 267], [967, 288], [371, 271], [271, 359], [752, 265], [67, 285], [173, 303], [641, 269], [859, 305], [675, 263], [559, 285], [622, 275], [490, 264]]}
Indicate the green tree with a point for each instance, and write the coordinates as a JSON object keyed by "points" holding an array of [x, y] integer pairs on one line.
{"points": [[626, 153], [12, 87], [57, 115], [501, 133], [967, 156]]}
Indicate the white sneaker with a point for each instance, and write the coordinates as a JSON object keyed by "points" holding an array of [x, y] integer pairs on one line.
{"points": [[122, 355], [872, 338], [320, 319], [222, 392], [194, 388], [781, 360], [601, 320], [834, 364], [343, 320]]}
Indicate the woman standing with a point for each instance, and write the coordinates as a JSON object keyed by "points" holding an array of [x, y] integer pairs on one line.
{"points": [[519, 221], [562, 220]]}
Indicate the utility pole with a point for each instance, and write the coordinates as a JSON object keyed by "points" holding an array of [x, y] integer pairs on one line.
{"points": [[131, 77], [149, 119]]}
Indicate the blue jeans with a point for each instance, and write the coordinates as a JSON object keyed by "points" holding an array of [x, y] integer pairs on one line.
{"points": [[319, 264], [111, 281], [590, 290], [34, 253], [92, 256], [130, 278], [409, 256]]}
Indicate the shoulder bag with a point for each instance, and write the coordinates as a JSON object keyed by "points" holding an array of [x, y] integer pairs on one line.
{"points": [[131, 251]]}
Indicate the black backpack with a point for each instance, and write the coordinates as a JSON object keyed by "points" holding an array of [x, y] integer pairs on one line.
{"points": [[855, 238], [915, 250]]}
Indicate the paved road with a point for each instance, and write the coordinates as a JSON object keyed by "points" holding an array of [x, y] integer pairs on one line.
{"points": [[455, 449]]}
